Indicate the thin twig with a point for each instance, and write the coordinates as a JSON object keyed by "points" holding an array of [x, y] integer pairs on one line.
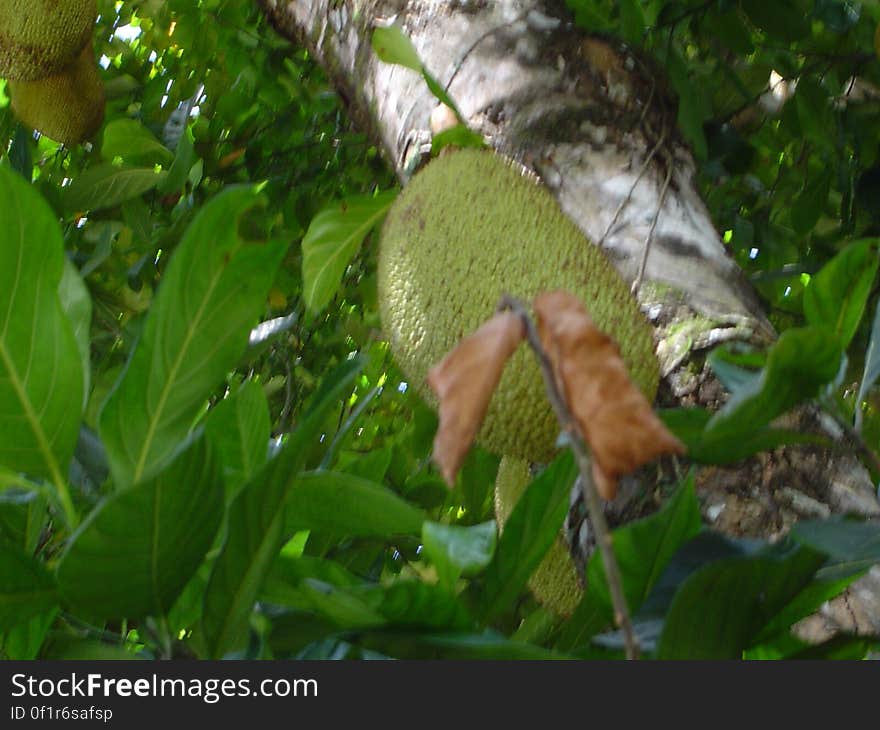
{"points": [[591, 496], [632, 189], [644, 262]]}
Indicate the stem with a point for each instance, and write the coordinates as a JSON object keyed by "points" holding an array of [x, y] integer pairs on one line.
{"points": [[591, 496]]}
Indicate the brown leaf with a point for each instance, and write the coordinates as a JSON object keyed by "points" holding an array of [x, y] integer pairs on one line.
{"points": [[464, 382], [611, 413]]}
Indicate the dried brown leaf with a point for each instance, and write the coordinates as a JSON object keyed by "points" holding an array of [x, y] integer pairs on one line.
{"points": [[611, 413], [464, 382]]}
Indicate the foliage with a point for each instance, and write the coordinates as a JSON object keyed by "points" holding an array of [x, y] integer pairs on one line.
{"points": [[206, 449]]}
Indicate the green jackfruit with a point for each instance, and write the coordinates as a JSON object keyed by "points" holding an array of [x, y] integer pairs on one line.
{"points": [[467, 229], [554, 583], [67, 107], [38, 38]]}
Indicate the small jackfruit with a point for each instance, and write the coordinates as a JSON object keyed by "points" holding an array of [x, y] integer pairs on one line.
{"points": [[554, 583], [67, 107], [467, 229], [38, 38]]}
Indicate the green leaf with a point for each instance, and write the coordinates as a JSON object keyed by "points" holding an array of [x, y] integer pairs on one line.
{"points": [[800, 362], [24, 640], [284, 582], [197, 328], [255, 531], [404, 604], [632, 21], [239, 429], [643, 548], [841, 648], [77, 305], [392, 45], [135, 553], [333, 238], [689, 425], [837, 295], [337, 503], [106, 186], [810, 204], [41, 377], [458, 551], [691, 108], [814, 112], [27, 588], [293, 631], [852, 546], [720, 609], [807, 602], [184, 158], [23, 516], [458, 136], [133, 142], [528, 534], [74, 648]]}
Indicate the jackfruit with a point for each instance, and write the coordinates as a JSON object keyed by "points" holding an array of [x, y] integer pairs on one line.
{"points": [[467, 229], [554, 583], [38, 38], [67, 107]]}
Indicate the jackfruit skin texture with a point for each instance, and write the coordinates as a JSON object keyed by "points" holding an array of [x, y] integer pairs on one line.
{"points": [[38, 38], [468, 228], [554, 583], [67, 107]]}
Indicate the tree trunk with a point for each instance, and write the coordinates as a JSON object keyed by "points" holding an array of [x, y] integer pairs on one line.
{"points": [[596, 121]]}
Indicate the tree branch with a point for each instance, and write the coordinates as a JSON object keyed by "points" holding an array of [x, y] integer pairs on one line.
{"points": [[591, 496]]}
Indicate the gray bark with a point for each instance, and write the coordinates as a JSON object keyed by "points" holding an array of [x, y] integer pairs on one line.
{"points": [[595, 120]]}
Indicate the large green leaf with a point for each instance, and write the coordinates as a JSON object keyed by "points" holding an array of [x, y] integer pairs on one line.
{"points": [[337, 503], [801, 361], [283, 585], [392, 45], [239, 429], [256, 526], [23, 641], [23, 517], [197, 329], [137, 550], [41, 374], [689, 425], [184, 158], [133, 142], [643, 549], [721, 608], [106, 186], [632, 21], [333, 238], [837, 295], [457, 551], [404, 604], [77, 305], [528, 534], [26, 589], [852, 546]]}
